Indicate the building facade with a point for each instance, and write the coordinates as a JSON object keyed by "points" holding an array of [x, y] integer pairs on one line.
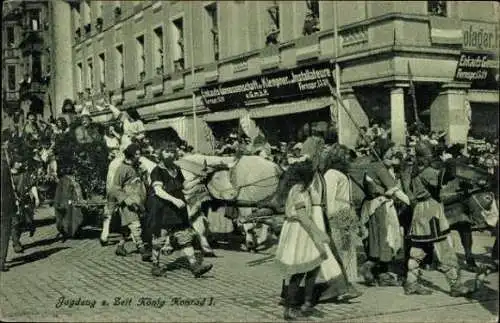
{"points": [[26, 62], [200, 67]]}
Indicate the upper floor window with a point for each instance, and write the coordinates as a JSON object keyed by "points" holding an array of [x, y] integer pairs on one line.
{"points": [[311, 22], [274, 24], [119, 66], [11, 77], [158, 50], [178, 44], [79, 77], [77, 17], [86, 12], [436, 8], [90, 75], [34, 20], [141, 59], [11, 37], [102, 71], [211, 14], [36, 66]]}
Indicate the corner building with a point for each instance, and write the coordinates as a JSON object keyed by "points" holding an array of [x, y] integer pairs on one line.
{"points": [[268, 63]]}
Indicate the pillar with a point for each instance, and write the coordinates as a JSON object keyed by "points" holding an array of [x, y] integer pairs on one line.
{"points": [[398, 124], [347, 129], [449, 113], [62, 54]]}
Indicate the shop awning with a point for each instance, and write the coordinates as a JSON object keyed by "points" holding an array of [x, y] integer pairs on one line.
{"points": [[178, 124], [280, 109], [271, 110], [225, 115]]}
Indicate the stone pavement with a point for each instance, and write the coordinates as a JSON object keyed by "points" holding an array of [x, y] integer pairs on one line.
{"points": [[241, 287]]}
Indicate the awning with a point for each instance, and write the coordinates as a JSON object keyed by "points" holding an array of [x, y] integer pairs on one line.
{"points": [[225, 115], [178, 124], [271, 110], [280, 109]]}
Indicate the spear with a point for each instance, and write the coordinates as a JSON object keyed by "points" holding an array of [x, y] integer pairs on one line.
{"points": [[341, 103]]}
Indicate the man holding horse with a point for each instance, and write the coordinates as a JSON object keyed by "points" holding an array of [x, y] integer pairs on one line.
{"points": [[168, 220], [429, 226]]}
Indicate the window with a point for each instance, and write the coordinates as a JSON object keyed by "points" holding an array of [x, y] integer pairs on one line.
{"points": [[274, 24], [79, 77], [11, 38], [34, 20], [77, 17], [436, 8], [86, 12], [158, 50], [11, 77], [119, 66], [211, 11], [90, 75], [98, 10], [141, 58], [36, 66], [311, 22], [102, 71], [178, 44]]}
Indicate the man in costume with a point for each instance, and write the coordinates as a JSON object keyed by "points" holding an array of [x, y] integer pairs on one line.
{"points": [[379, 213], [128, 194], [9, 208], [168, 220], [429, 226], [27, 199]]}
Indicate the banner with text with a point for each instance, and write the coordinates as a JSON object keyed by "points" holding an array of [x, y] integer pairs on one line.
{"points": [[272, 87], [479, 69]]}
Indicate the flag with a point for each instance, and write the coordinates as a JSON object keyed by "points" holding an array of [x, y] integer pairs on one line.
{"points": [[445, 31], [411, 91]]}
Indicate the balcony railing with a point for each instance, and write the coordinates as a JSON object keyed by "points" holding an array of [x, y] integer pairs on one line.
{"points": [[11, 53], [11, 95]]}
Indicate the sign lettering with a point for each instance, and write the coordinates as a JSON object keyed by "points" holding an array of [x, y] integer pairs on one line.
{"points": [[480, 36], [301, 81], [479, 69]]}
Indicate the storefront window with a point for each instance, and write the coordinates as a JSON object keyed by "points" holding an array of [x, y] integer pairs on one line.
{"points": [[484, 121]]}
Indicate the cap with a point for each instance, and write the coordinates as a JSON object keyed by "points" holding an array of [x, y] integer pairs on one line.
{"points": [[297, 146]]}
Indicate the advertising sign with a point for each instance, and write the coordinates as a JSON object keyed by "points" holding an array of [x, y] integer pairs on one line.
{"points": [[278, 86], [479, 69]]}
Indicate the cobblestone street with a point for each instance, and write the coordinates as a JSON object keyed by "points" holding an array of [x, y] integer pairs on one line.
{"points": [[241, 287]]}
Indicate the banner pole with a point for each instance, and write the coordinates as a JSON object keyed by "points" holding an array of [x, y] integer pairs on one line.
{"points": [[195, 121]]}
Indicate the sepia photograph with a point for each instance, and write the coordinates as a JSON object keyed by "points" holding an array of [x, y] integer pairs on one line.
{"points": [[250, 161]]}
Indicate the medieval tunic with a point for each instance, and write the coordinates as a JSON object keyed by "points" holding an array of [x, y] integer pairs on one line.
{"points": [[429, 223], [342, 219], [378, 210], [164, 214], [23, 183], [127, 187]]}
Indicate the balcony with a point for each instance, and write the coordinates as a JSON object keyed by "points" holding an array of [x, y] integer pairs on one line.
{"points": [[11, 53], [11, 96], [33, 88]]}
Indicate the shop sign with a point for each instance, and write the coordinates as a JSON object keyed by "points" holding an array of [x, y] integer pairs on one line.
{"points": [[480, 36], [479, 69], [271, 87]]}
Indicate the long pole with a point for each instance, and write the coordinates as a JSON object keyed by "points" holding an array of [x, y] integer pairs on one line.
{"points": [[337, 67], [335, 96], [195, 121]]}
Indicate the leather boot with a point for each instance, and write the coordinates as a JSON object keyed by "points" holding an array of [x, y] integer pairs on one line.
{"points": [[457, 288], [386, 280], [366, 271], [292, 314], [121, 251], [415, 288], [199, 269]]}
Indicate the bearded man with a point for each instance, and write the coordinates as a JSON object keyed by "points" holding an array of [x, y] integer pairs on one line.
{"points": [[128, 195], [168, 220]]}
